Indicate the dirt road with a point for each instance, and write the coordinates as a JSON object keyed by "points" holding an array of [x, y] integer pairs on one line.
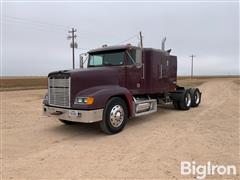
{"points": [[36, 147]]}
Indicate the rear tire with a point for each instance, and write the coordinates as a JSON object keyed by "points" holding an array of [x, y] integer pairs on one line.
{"points": [[115, 116], [185, 101], [195, 97]]}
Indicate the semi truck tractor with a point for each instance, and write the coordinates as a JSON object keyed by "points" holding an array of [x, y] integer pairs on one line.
{"points": [[119, 83]]}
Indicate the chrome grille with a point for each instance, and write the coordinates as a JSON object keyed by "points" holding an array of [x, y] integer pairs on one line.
{"points": [[59, 91]]}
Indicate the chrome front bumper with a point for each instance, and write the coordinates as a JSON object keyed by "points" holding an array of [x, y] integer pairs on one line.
{"points": [[85, 116]]}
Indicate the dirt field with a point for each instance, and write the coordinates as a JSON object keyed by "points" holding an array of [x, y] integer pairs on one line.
{"points": [[37, 147]]}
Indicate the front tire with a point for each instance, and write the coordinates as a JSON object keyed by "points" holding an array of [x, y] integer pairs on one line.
{"points": [[115, 116]]}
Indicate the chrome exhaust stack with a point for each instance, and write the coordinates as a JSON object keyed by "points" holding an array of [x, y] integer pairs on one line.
{"points": [[163, 43]]}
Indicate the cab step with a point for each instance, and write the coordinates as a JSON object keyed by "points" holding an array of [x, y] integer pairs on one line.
{"points": [[144, 106]]}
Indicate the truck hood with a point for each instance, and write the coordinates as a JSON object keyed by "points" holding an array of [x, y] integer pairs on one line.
{"points": [[82, 79], [93, 76]]}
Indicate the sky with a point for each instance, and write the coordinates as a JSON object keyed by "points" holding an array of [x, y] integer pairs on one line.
{"points": [[34, 34]]}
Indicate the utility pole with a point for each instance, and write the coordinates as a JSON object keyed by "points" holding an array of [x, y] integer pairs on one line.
{"points": [[141, 39], [73, 44], [192, 56]]}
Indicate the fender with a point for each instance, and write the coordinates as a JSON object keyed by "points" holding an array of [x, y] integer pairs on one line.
{"points": [[102, 94]]}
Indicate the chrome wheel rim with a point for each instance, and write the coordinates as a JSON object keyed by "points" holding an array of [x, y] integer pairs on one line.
{"points": [[188, 99], [197, 97], [117, 116]]}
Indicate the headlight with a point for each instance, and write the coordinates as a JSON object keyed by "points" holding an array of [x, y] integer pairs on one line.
{"points": [[84, 100]]}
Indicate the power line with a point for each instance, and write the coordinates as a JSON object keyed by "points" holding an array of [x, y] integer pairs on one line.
{"points": [[35, 21], [130, 38], [85, 49], [34, 24], [39, 28], [42, 24]]}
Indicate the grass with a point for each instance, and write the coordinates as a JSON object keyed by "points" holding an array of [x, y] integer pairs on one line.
{"points": [[237, 81], [187, 82], [36, 82], [22, 83]]}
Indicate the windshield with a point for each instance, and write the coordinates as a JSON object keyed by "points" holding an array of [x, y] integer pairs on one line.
{"points": [[112, 58]]}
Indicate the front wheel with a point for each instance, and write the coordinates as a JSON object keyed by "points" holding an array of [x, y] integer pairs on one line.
{"points": [[115, 116]]}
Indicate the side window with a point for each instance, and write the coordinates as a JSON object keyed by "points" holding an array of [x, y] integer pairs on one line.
{"points": [[115, 58], [96, 60]]}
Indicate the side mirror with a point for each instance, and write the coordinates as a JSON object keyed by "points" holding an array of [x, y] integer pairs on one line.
{"points": [[139, 58], [81, 62], [83, 59]]}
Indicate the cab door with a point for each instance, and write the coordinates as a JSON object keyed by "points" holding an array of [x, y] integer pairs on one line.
{"points": [[134, 71]]}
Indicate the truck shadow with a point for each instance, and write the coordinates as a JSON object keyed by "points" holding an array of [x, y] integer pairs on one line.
{"points": [[78, 129], [157, 116], [93, 129]]}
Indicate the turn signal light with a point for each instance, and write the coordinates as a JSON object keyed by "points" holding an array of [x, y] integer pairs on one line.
{"points": [[90, 100]]}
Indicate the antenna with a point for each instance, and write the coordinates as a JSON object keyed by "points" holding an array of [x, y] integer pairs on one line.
{"points": [[141, 39]]}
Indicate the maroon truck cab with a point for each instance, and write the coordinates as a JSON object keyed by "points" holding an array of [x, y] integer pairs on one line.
{"points": [[119, 82]]}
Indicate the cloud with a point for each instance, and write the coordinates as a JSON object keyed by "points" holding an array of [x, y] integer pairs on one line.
{"points": [[209, 30]]}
